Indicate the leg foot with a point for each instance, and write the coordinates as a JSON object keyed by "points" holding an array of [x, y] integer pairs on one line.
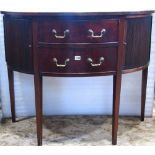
{"points": [[39, 142]]}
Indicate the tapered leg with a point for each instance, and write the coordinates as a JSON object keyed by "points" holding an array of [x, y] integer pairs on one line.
{"points": [[143, 92], [12, 93], [116, 102], [38, 102]]}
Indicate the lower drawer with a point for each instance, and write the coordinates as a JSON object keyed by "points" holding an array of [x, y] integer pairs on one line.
{"points": [[77, 60]]}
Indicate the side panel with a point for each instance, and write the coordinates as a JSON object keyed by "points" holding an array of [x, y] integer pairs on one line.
{"points": [[138, 42], [18, 44]]}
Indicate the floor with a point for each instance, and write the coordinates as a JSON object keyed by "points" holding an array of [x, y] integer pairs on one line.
{"points": [[78, 130]]}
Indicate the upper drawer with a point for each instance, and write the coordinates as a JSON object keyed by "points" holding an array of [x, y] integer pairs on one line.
{"points": [[78, 31]]}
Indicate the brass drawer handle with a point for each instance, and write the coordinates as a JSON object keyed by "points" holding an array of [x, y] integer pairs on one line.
{"points": [[61, 65], [95, 65], [60, 37], [92, 35]]}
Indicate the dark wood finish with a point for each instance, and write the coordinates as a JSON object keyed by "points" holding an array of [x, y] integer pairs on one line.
{"points": [[38, 85], [19, 30], [18, 42], [78, 45], [135, 69], [12, 93], [38, 103], [86, 74], [143, 92], [76, 27], [31, 46], [46, 63], [72, 14], [117, 80], [138, 42]]}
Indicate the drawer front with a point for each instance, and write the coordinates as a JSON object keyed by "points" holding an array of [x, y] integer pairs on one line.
{"points": [[92, 31], [93, 60]]}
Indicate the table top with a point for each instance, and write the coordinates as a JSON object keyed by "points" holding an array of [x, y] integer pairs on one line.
{"points": [[76, 5]]}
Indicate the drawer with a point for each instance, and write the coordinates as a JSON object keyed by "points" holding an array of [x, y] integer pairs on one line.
{"points": [[78, 31], [76, 60]]}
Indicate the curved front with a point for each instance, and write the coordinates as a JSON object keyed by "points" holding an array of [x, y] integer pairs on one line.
{"points": [[18, 44], [138, 38], [19, 53]]}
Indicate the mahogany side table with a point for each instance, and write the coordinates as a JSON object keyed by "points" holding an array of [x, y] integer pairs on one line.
{"points": [[77, 45]]}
